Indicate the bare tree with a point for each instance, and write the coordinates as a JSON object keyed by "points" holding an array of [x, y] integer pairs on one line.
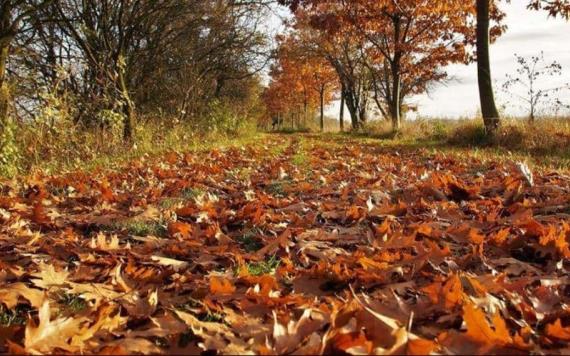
{"points": [[13, 13], [525, 85]]}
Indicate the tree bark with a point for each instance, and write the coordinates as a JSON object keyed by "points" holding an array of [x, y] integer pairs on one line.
{"points": [[489, 110], [322, 97], [395, 107], [4, 90], [6, 36], [305, 112], [341, 115], [128, 109]]}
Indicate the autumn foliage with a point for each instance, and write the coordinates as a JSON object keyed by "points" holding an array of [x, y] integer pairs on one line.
{"points": [[358, 249], [301, 83]]}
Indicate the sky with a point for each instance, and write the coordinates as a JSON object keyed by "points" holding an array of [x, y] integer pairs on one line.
{"points": [[529, 33]]}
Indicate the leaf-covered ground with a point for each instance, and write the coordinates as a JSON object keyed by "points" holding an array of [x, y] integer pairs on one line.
{"points": [[294, 245]]}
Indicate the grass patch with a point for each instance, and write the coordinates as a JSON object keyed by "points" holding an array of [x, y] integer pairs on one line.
{"points": [[74, 149], [193, 306], [249, 242], [241, 173], [277, 150], [72, 303], [544, 143], [185, 195], [291, 131], [264, 267], [14, 317], [140, 228], [277, 188], [210, 317], [300, 159]]}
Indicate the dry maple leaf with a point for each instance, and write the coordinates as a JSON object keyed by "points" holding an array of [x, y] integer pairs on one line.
{"points": [[10, 296], [556, 330], [179, 228], [220, 285], [48, 277], [290, 337], [51, 335], [101, 242], [479, 329], [216, 336]]}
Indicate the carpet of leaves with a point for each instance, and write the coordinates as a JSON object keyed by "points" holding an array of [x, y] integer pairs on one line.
{"points": [[294, 245]]}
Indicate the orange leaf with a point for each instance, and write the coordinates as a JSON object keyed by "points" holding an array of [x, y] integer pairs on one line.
{"points": [[219, 285], [39, 215], [557, 331], [475, 236], [478, 328], [181, 228], [421, 347], [368, 263], [345, 342]]}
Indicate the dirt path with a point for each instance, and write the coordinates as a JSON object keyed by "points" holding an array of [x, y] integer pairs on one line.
{"points": [[300, 244]]}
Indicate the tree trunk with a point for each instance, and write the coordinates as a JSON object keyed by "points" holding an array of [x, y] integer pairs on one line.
{"points": [[395, 106], [4, 90], [128, 109], [488, 107], [341, 115], [362, 116], [305, 112], [322, 97], [396, 80], [352, 108]]}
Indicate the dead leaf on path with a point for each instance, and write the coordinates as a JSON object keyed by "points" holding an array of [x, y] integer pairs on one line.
{"points": [[10, 295], [50, 335], [220, 285]]}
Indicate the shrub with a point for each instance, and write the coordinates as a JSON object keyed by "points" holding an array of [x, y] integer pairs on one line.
{"points": [[223, 118], [468, 133], [9, 150]]}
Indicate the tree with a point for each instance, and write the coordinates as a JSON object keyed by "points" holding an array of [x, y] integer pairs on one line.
{"points": [[408, 42], [300, 81], [394, 49], [325, 80], [115, 60], [109, 36], [486, 94], [13, 13], [524, 85], [323, 31], [487, 9]]}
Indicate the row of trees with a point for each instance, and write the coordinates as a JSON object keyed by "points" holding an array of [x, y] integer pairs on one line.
{"points": [[384, 51], [119, 59]]}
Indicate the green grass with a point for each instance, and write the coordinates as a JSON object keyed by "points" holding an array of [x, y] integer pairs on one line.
{"points": [[13, 317], [544, 144], [140, 228], [249, 242], [90, 150], [300, 159], [210, 317], [277, 188], [187, 194], [193, 306], [240, 173], [72, 303], [277, 150], [264, 267]]}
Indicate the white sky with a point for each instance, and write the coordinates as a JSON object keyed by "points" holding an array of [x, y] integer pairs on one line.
{"points": [[529, 33]]}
